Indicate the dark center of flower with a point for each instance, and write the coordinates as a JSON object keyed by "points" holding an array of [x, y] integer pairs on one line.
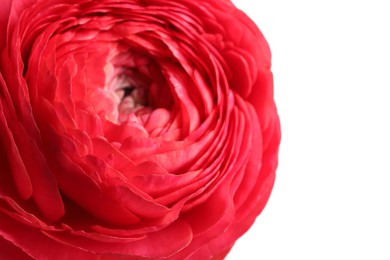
{"points": [[135, 85], [128, 80], [131, 96]]}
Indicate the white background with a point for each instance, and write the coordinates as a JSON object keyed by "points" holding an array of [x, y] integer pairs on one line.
{"points": [[331, 64]]}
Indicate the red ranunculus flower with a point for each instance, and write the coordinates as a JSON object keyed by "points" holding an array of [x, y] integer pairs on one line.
{"points": [[132, 129]]}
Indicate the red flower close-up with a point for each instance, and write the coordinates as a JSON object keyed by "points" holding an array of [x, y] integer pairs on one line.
{"points": [[132, 129]]}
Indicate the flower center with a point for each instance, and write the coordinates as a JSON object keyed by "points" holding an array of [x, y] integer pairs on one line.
{"points": [[134, 85], [130, 96], [128, 80]]}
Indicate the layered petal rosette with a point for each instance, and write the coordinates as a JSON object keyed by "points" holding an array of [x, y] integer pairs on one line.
{"points": [[132, 129]]}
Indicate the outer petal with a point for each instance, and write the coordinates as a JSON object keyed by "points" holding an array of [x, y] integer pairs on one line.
{"points": [[11, 251], [31, 240], [5, 9]]}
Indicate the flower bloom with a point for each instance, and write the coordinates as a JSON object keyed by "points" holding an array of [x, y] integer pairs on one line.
{"points": [[132, 129]]}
